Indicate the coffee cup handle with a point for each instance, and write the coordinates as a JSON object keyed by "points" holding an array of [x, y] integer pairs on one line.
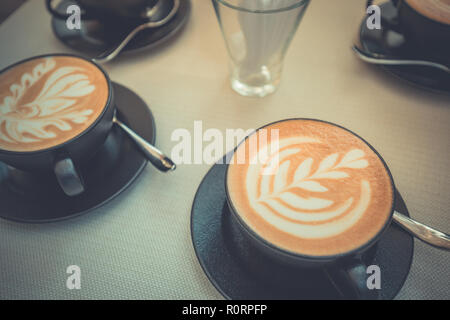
{"points": [[68, 178], [63, 16], [350, 279]]}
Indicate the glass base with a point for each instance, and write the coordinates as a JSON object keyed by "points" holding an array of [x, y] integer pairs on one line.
{"points": [[253, 91]]}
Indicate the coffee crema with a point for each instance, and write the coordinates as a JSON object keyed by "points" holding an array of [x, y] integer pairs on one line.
{"points": [[329, 192], [47, 101], [438, 10]]}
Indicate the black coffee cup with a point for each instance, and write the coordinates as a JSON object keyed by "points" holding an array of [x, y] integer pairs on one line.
{"points": [[108, 9], [426, 36], [347, 271], [63, 160]]}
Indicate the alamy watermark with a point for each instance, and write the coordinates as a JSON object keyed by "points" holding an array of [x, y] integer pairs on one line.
{"points": [[74, 280], [374, 280], [209, 146], [374, 17], [74, 19], [373, 20]]}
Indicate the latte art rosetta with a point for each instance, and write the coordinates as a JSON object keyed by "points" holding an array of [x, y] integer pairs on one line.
{"points": [[286, 208], [47, 102]]}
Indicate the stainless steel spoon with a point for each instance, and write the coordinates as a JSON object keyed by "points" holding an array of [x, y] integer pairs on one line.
{"points": [[112, 53], [426, 234], [156, 157], [385, 60]]}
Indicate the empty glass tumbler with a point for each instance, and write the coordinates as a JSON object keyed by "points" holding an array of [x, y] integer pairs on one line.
{"points": [[257, 34]]}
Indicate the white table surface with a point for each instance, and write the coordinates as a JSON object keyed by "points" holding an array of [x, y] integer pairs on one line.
{"points": [[138, 246]]}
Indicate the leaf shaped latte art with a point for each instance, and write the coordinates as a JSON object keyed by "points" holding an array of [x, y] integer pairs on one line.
{"points": [[26, 81], [54, 105], [278, 198]]}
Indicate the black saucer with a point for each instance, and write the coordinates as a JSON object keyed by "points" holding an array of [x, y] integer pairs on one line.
{"points": [[230, 273], [391, 43], [28, 198], [95, 38]]}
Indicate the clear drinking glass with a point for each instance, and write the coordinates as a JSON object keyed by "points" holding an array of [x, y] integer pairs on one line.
{"points": [[257, 34]]}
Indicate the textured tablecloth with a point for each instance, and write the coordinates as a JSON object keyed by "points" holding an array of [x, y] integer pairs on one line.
{"points": [[139, 245]]}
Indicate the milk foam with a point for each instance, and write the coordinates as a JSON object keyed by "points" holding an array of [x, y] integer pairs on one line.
{"points": [[46, 101], [281, 203]]}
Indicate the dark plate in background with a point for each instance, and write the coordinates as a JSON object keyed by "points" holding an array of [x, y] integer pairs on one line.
{"points": [[95, 38], [391, 43]]}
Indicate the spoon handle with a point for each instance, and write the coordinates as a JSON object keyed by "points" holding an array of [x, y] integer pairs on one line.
{"points": [[156, 157], [382, 60], [111, 53], [426, 234]]}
